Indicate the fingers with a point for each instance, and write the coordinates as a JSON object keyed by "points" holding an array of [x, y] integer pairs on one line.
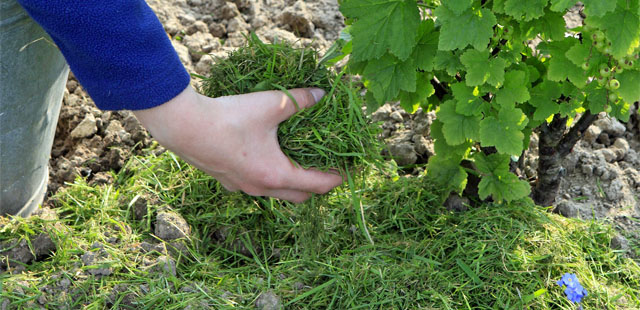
{"points": [[285, 194], [283, 107], [289, 195], [296, 186], [312, 181]]}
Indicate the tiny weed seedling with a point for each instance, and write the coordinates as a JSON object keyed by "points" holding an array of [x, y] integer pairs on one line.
{"points": [[332, 134]]}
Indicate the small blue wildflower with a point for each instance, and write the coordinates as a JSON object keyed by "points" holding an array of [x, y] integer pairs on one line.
{"points": [[574, 291]]}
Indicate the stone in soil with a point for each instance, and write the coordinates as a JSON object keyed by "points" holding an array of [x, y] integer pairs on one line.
{"points": [[228, 11], [567, 208], [619, 242], [298, 19], [611, 126], [140, 208], [403, 153], [268, 301], [457, 203], [86, 128], [97, 259], [20, 252], [171, 226], [165, 265]]}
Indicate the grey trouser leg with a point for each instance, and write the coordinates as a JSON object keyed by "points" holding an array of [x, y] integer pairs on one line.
{"points": [[33, 76]]}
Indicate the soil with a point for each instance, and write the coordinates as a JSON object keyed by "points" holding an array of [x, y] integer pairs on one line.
{"points": [[602, 179]]}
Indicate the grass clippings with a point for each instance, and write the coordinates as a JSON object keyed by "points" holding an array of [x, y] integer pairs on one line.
{"points": [[495, 256], [334, 133]]}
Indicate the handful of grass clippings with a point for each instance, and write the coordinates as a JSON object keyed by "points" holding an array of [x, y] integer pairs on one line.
{"points": [[332, 134]]}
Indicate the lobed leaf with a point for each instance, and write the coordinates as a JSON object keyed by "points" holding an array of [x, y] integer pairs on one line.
{"points": [[425, 52], [560, 67], [381, 26], [598, 7], [621, 28], [629, 85], [468, 101], [551, 25], [525, 10], [562, 5], [481, 69], [497, 180], [477, 30], [457, 128], [388, 75], [543, 97], [514, 90], [411, 101], [505, 131], [458, 6]]}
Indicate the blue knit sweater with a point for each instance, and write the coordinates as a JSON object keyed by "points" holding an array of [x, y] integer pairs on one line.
{"points": [[117, 49]]}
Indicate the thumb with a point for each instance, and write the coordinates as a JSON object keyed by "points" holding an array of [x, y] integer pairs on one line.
{"points": [[285, 105]]}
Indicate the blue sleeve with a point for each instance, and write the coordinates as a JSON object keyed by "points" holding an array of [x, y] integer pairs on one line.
{"points": [[117, 50]]}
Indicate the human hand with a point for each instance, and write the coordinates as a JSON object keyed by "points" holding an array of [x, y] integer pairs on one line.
{"points": [[234, 139]]}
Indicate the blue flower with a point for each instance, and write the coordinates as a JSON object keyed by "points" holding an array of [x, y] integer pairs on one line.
{"points": [[574, 291]]}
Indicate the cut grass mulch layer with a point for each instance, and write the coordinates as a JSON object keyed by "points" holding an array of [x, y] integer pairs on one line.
{"points": [[167, 236]]}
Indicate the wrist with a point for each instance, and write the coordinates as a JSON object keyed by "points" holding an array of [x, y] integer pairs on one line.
{"points": [[169, 119]]}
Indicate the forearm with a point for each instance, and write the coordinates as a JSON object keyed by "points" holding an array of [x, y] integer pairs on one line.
{"points": [[117, 49]]}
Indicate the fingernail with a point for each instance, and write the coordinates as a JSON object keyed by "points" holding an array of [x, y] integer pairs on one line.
{"points": [[317, 93]]}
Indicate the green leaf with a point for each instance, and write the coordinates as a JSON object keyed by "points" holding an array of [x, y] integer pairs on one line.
{"points": [[598, 7], [444, 168], [550, 26], [543, 97], [370, 101], [487, 164], [356, 67], [481, 69], [411, 101], [457, 128], [579, 53], [440, 145], [498, 6], [629, 85], [621, 28], [525, 10], [620, 110], [504, 132], [425, 52], [514, 89], [572, 107], [447, 173], [506, 187], [458, 6], [533, 73], [596, 98], [468, 101], [562, 5], [560, 67], [382, 25], [496, 72], [503, 188], [388, 75], [574, 101], [447, 61], [477, 30], [476, 63], [497, 181]]}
